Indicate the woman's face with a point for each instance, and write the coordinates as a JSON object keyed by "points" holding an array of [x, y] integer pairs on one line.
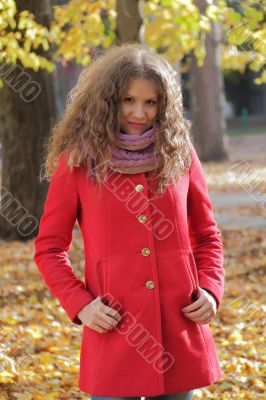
{"points": [[139, 107]]}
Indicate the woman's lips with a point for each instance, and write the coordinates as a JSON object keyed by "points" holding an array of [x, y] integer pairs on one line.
{"points": [[135, 125]]}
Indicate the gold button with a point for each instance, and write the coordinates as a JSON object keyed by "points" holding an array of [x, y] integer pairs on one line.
{"points": [[142, 219], [145, 251], [150, 284], [139, 188]]}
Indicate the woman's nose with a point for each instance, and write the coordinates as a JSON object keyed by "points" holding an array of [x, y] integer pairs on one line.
{"points": [[138, 111]]}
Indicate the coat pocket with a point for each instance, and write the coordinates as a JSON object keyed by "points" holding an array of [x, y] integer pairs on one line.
{"points": [[192, 269], [100, 278]]}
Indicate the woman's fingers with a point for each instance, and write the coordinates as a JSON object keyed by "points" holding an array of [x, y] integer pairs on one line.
{"points": [[107, 317], [98, 328], [112, 312], [201, 310], [195, 305], [101, 325], [98, 316], [106, 321], [206, 319], [199, 313]]}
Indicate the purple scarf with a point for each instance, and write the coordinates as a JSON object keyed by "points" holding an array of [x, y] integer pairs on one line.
{"points": [[135, 153]]}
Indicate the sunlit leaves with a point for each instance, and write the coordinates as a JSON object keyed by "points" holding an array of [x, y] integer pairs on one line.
{"points": [[21, 36], [80, 26], [39, 347], [174, 28], [245, 37], [177, 27]]}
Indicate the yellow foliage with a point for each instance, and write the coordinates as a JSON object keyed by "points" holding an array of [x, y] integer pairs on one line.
{"points": [[262, 78], [20, 35], [79, 26], [175, 28]]}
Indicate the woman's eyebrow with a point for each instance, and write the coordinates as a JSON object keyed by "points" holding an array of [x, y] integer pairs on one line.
{"points": [[150, 98]]}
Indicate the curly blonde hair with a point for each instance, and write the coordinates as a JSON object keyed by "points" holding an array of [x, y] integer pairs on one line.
{"points": [[88, 129]]}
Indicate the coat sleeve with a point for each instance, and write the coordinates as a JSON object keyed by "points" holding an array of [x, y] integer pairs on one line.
{"points": [[54, 240], [205, 237]]}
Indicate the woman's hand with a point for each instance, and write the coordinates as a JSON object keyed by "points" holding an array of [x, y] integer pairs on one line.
{"points": [[203, 310], [98, 316]]}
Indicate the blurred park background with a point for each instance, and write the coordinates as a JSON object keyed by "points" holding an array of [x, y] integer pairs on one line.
{"points": [[219, 50]]}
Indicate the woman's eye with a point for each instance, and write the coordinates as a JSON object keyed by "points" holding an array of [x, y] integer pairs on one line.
{"points": [[129, 99]]}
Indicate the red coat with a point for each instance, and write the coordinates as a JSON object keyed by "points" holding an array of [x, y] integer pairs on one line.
{"points": [[149, 253]]}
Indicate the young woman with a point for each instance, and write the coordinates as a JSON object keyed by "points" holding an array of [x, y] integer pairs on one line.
{"points": [[121, 163]]}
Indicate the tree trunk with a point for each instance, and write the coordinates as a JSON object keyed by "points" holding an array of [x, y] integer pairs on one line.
{"points": [[27, 113], [207, 99], [128, 21]]}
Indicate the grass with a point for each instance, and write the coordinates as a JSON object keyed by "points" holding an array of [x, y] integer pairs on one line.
{"points": [[261, 130]]}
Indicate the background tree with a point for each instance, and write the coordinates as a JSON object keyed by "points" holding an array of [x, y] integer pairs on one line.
{"points": [[184, 31], [27, 112], [128, 21], [207, 97], [178, 29], [27, 98], [232, 35]]}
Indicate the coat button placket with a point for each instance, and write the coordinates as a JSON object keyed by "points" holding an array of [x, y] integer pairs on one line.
{"points": [[152, 284]]}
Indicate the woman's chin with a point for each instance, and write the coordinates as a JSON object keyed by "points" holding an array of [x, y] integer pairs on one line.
{"points": [[132, 131], [136, 131]]}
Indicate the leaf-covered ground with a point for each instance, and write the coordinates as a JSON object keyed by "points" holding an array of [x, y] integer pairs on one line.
{"points": [[40, 347]]}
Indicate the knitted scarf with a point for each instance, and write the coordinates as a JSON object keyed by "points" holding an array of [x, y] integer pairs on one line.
{"points": [[134, 153]]}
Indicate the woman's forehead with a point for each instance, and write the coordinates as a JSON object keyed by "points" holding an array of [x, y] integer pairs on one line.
{"points": [[137, 84]]}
